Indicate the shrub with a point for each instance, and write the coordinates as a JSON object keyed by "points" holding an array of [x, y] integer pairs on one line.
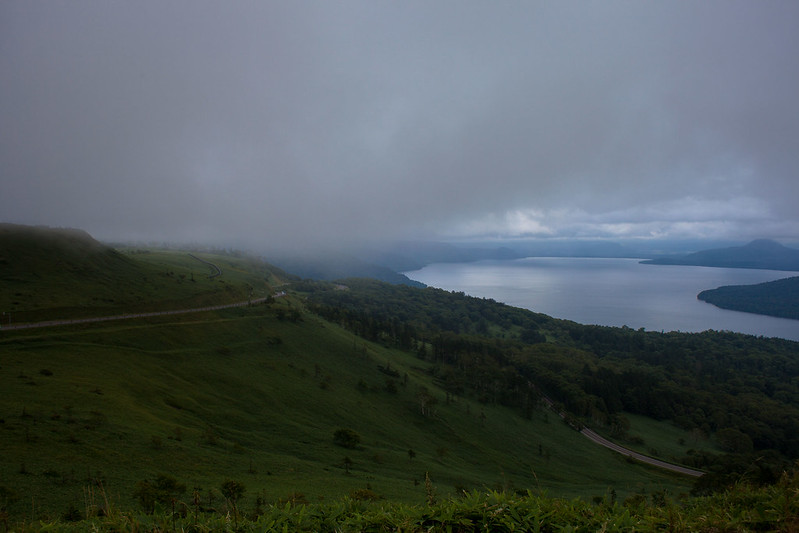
{"points": [[346, 438], [164, 489], [233, 491], [365, 495]]}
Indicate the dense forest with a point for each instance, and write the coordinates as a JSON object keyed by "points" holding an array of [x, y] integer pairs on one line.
{"points": [[776, 298], [740, 389]]}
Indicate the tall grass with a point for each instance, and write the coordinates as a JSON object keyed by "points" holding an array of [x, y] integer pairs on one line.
{"points": [[742, 508]]}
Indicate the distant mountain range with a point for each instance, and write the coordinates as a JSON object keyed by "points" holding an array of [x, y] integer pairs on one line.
{"points": [[388, 261], [761, 254], [413, 255]]}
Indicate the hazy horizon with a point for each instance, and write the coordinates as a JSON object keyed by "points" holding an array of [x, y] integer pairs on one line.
{"points": [[302, 124]]}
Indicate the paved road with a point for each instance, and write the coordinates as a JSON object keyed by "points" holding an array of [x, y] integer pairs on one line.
{"points": [[218, 270], [626, 451], [52, 323], [638, 456]]}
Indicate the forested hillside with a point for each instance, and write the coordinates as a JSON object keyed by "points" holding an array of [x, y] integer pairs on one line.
{"points": [[775, 298], [741, 389]]}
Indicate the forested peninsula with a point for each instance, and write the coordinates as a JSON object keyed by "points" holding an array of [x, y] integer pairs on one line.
{"points": [[778, 298]]}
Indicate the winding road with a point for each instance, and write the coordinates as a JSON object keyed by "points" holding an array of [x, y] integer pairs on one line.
{"points": [[215, 267], [53, 323], [639, 456], [602, 441]]}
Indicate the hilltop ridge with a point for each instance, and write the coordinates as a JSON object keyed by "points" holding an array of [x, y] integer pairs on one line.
{"points": [[53, 273], [24, 249]]}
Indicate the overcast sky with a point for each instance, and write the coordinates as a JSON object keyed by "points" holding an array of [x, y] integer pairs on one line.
{"points": [[304, 122]]}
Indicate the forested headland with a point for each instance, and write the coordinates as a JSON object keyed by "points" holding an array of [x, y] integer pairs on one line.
{"points": [[774, 298]]}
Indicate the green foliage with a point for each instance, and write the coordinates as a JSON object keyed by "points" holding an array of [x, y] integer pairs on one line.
{"points": [[740, 509], [734, 441]]}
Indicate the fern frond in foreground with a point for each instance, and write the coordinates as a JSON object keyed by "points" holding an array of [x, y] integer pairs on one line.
{"points": [[740, 508]]}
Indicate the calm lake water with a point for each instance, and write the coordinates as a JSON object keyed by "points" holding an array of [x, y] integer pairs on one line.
{"points": [[612, 292]]}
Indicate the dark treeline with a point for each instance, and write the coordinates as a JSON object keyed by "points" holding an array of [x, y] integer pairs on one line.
{"points": [[776, 298], [740, 389]]}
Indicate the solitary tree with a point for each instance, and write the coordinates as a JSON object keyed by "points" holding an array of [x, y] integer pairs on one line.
{"points": [[233, 491]]}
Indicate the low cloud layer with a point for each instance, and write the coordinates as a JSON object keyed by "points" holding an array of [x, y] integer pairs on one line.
{"points": [[303, 123]]}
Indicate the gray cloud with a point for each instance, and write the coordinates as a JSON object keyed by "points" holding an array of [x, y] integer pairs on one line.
{"points": [[318, 122]]}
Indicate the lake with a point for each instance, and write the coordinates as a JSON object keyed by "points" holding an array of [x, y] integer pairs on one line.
{"points": [[612, 292]]}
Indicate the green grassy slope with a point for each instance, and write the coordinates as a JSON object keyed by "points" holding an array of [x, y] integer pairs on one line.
{"points": [[50, 273], [242, 394]]}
